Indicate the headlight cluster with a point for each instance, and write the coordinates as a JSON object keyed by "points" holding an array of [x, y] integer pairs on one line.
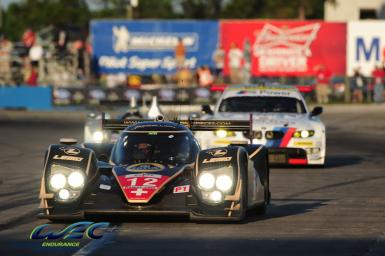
{"points": [[223, 133], [303, 134], [215, 184], [66, 182]]}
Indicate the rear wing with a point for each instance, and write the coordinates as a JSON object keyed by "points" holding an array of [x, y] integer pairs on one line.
{"points": [[193, 125]]}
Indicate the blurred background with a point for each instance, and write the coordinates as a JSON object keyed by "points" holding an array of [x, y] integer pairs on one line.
{"points": [[87, 52]]}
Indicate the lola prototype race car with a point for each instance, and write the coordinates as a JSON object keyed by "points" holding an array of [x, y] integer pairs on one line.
{"points": [[156, 168]]}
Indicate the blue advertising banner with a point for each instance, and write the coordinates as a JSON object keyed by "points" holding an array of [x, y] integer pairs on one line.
{"points": [[148, 47]]}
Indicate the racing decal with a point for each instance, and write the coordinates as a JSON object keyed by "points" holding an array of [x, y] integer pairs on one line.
{"points": [[217, 159], [68, 158], [284, 141], [105, 187], [141, 187], [222, 142], [217, 152], [70, 151], [146, 167], [181, 189], [307, 143], [286, 138]]}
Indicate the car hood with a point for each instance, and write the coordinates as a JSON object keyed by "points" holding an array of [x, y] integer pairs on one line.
{"points": [[269, 120], [140, 182]]}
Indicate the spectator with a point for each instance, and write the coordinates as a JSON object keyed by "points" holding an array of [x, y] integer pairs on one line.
{"points": [[5, 60], [219, 60], [61, 44], [184, 78], [180, 54], [322, 84], [378, 75], [358, 86], [247, 61], [235, 63], [205, 78], [31, 75]]}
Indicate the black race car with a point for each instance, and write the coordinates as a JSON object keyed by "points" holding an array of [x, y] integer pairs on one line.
{"points": [[156, 168]]}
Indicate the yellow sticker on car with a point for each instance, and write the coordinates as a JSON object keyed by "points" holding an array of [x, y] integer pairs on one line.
{"points": [[307, 143]]}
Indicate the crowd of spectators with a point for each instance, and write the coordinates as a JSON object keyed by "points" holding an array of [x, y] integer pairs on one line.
{"points": [[61, 61], [41, 60]]}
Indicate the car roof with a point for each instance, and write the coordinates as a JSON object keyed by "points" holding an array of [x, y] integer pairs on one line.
{"points": [[156, 126], [249, 90]]}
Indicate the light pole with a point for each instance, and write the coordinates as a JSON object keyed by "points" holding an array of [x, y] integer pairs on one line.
{"points": [[130, 5], [1, 15]]}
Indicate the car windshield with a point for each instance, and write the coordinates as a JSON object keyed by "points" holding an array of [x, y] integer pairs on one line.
{"points": [[150, 146], [262, 104]]}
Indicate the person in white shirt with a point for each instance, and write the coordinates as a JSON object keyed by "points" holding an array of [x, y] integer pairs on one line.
{"points": [[235, 56]]}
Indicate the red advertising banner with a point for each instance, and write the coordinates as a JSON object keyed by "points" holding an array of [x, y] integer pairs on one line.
{"points": [[283, 48]]}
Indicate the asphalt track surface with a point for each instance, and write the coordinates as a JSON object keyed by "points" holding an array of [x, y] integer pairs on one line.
{"points": [[339, 210]]}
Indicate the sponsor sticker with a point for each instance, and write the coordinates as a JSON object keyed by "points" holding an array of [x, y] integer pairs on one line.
{"points": [[307, 143], [70, 151], [181, 189], [145, 167], [217, 152], [217, 159], [222, 142], [68, 158], [105, 187]]}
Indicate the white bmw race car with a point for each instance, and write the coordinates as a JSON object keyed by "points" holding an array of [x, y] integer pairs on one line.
{"points": [[281, 121]]}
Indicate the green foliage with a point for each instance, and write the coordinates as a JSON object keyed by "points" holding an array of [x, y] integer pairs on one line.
{"points": [[37, 14]]}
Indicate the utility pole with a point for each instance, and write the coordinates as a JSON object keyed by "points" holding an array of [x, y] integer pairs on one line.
{"points": [[130, 5], [1, 15]]}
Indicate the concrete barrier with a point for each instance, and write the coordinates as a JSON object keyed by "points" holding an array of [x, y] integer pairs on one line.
{"points": [[23, 97]]}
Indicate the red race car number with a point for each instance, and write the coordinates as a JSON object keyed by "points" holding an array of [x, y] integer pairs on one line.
{"points": [[141, 187]]}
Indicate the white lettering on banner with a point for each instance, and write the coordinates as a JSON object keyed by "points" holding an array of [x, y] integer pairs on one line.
{"points": [[135, 62], [287, 50], [143, 64], [124, 41], [113, 62], [365, 46]]}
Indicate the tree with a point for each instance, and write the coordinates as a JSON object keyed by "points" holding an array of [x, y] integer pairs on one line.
{"points": [[37, 14]]}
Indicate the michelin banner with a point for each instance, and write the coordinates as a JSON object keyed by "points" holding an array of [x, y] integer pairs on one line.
{"points": [[366, 46], [148, 47], [283, 48]]}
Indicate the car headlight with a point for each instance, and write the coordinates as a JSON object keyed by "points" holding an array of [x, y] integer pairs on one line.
{"points": [[303, 134], [98, 136], [269, 135], [224, 182], [76, 179], [223, 133], [206, 181], [66, 182], [216, 196], [64, 194], [57, 181]]}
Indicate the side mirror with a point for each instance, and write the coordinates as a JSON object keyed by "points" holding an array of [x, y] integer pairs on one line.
{"points": [[316, 111], [207, 110]]}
